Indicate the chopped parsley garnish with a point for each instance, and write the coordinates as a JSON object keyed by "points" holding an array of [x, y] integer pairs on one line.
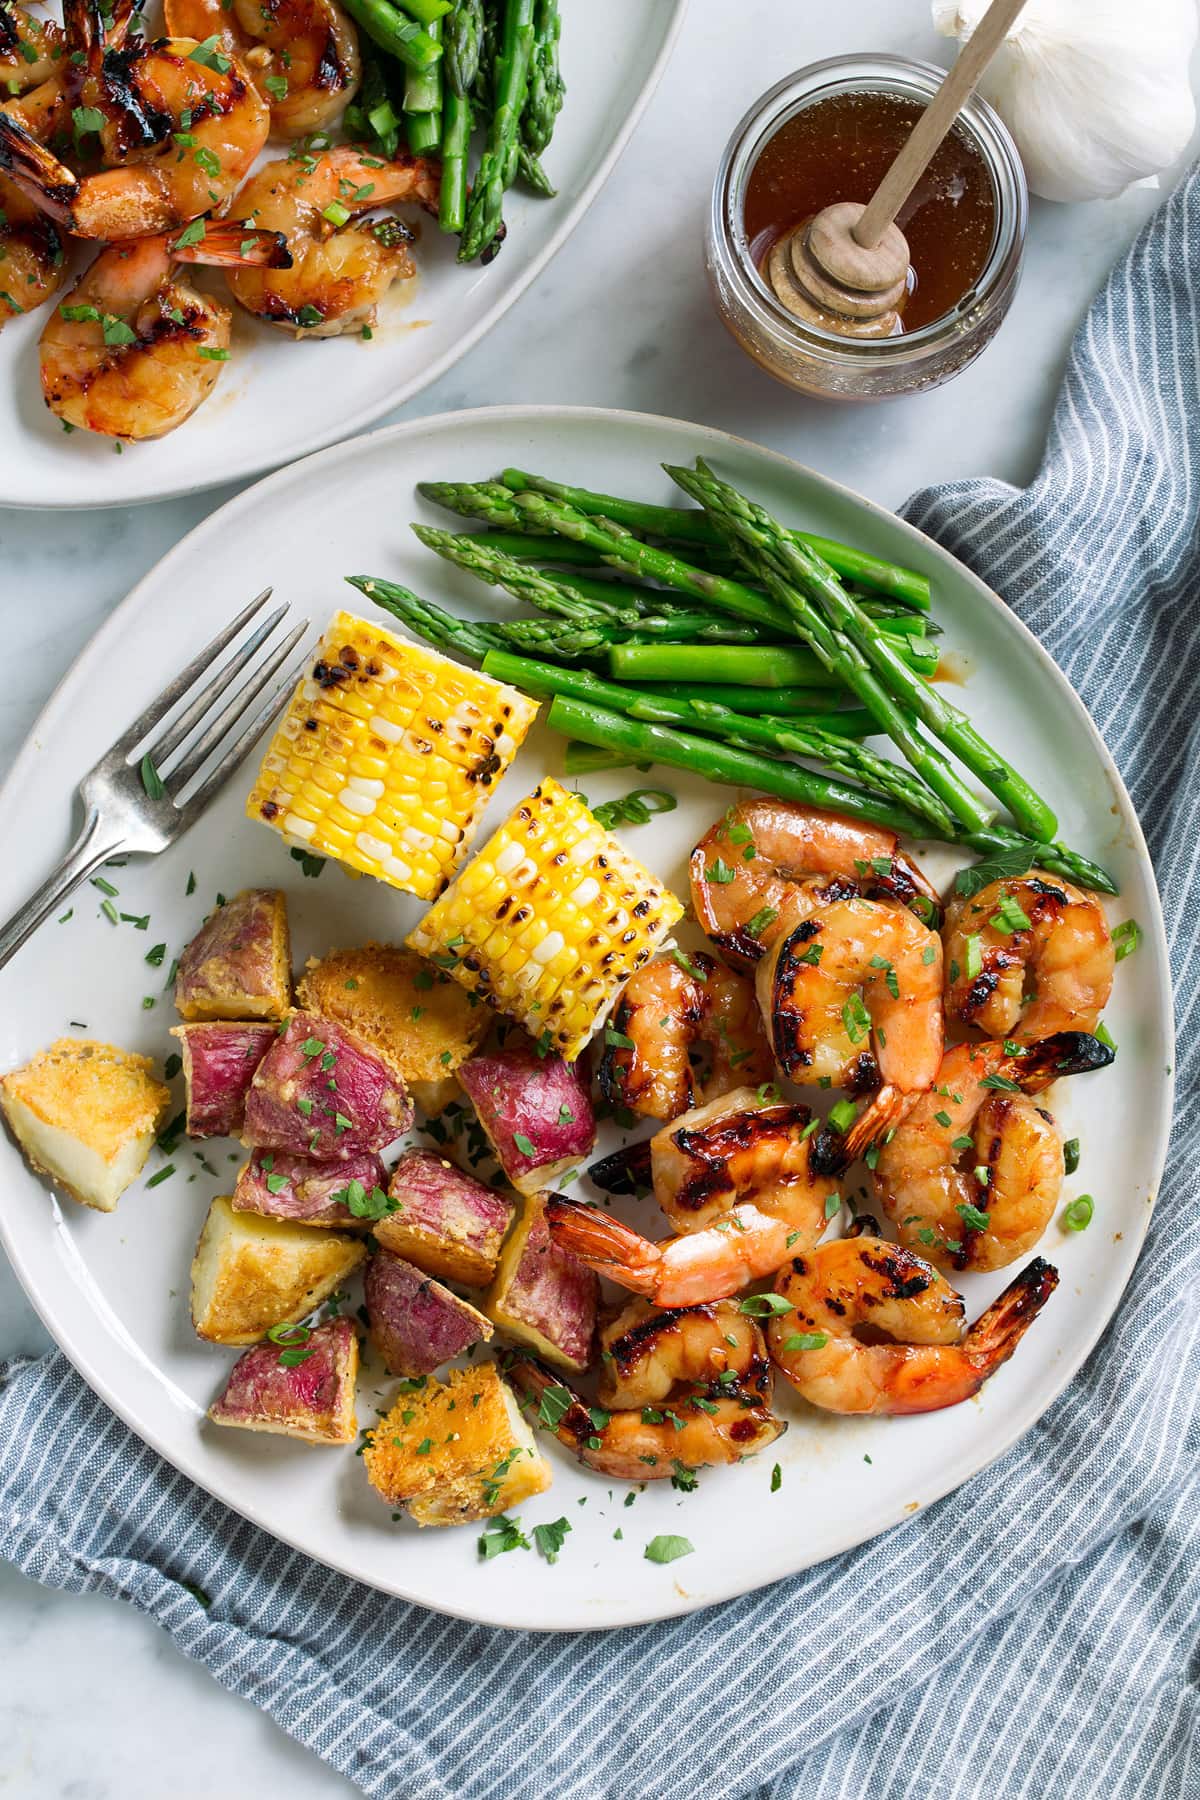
{"points": [[549, 1538], [972, 1218], [524, 1145], [667, 1549], [556, 1402], [718, 874], [500, 1535], [806, 1340]]}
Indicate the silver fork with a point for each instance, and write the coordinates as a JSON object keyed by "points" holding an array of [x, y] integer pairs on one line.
{"points": [[136, 799]]}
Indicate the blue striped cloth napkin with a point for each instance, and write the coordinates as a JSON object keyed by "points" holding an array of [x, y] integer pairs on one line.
{"points": [[1027, 1636]]}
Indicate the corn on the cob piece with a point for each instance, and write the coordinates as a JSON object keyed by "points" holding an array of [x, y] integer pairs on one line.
{"points": [[549, 919], [387, 756]]}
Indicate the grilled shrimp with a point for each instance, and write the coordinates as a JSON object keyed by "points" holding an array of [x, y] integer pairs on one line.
{"points": [[875, 1329], [667, 1007], [340, 271], [740, 1147], [33, 259], [302, 55], [1026, 957], [974, 1171], [701, 1426], [135, 350], [744, 872], [647, 1353], [31, 50], [32, 255], [852, 995], [182, 124]]}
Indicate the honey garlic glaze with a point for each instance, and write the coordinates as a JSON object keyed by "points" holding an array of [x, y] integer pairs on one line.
{"points": [[839, 148]]}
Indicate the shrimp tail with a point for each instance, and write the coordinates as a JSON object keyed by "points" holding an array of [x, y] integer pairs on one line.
{"points": [[533, 1381], [1065, 1053], [832, 1151], [37, 171], [626, 1171], [998, 1330], [604, 1243], [228, 243]]}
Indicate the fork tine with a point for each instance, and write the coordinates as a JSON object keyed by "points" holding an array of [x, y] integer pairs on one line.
{"points": [[171, 695], [199, 753], [165, 746], [238, 750]]}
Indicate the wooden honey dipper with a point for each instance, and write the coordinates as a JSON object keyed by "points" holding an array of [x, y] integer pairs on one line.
{"points": [[846, 269]]}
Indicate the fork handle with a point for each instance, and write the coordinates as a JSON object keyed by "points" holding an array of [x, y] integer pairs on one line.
{"points": [[91, 848]]}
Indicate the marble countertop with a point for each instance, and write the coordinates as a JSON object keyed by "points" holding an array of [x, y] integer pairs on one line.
{"points": [[63, 1730]]}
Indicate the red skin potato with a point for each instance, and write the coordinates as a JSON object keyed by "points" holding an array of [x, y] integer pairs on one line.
{"points": [[236, 966], [314, 1399], [292, 1105], [548, 1287], [416, 1324], [516, 1092], [447, 1223], [310, 1185], [219, 1060]]}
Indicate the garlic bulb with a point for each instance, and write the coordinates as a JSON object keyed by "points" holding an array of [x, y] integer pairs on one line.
{"points": [[1095, 92]]}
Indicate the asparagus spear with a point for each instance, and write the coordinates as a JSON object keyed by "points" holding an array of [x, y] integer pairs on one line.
{"points": [[781, 701], [528, 548], [795, 571], [462, 39], [546, 592], [693, 526], [761, 665], [439, 628], [740, 768], [719, 762], [423, 101], [546, 86], [400, 36], [786, 737], [429, 12], [498, 164], [456, 140]]}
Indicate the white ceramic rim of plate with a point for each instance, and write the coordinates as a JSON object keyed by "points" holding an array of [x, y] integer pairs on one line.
{"points": [[247, 468], [934, 1484]]}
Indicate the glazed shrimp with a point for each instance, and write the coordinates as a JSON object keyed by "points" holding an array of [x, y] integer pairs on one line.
{"points": [[666, 1008], [743, 1147], [33, 263], [912, 1354], [302, 55], [182, 125], [339, 273], [974, 1171], [852, 995], [1026, 957], [701, 1426], [135, 350], [744, 871], [31, 50], [647, 1353]]}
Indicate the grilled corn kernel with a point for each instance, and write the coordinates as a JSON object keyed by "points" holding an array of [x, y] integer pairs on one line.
{"points": [[387, 756], [549, 919]]}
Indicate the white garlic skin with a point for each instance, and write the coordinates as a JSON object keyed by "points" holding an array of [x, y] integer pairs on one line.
{"points": [[1095, 92]]}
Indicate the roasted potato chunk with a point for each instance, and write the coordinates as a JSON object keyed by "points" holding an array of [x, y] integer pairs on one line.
{"points": [[303, 1389], [543, 1296], [219, 1060], [250, 1273], [239, 964], [416, 1324], [453, 1452], [412, 1014], [322, 1093], [85, 1114], [536, 1110], [279, 1186], [447, 1223]]}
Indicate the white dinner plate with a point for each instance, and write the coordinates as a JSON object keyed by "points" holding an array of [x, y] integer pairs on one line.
{"points": [[278, 399], [114, 1289]]}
